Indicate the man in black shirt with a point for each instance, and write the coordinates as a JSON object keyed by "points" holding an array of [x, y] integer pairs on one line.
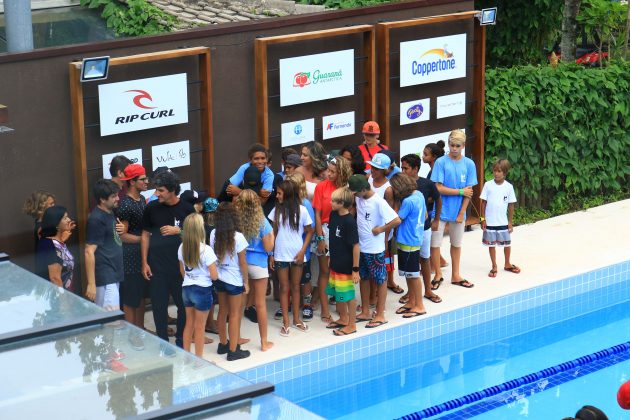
{"points": [[161, 228], [103, 249], [410, 165]]}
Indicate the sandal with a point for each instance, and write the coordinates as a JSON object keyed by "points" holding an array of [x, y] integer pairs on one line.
{"points": [[396, 289], [363, 319], [493, 273], [413, 314], [284, 331], [435, 284], [434, 298], [404, 300], [402, 310], [341, 332], [326, 319], [335, 325], [513, 269], [375, 324], [463, 283], [301, 327]]}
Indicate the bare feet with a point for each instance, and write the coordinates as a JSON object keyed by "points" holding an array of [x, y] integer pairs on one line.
{"points": [[266, 345], [243, 340]]}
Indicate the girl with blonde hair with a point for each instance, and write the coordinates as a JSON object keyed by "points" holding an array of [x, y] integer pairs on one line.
{"points": [[259, 234], [197, 265]]}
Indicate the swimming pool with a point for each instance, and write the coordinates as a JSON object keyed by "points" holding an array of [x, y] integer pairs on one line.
{"points": [[445, 357]]}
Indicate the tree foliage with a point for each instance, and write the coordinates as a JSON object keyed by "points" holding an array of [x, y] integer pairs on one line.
{"points": [[566, 131], [524, 29]]}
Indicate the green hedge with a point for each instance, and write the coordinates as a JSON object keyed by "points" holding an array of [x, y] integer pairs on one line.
{"points": [[566, 131]]}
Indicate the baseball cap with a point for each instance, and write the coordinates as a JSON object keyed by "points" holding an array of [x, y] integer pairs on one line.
{"points": [[193, 197], [358, 183], [210, 205], [293, 160], [623, 396], [371, 127], [132, 171], [252, 179], [380, 161]]}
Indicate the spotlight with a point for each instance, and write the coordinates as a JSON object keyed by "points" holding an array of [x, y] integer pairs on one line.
{"points": [[94, 68], [488, 16]]}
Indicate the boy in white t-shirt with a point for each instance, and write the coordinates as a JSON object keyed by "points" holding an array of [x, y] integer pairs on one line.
{"points": [[497, 210], [374, 218]]}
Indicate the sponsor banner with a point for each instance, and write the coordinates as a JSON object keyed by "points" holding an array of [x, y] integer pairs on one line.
{"points": [[143, 103], [171, 154], [135, 156], [415, 111], [338, 125], [418, 144], [316, 77], [298, 132], [148, 194], [450, 105], [432, 60]]}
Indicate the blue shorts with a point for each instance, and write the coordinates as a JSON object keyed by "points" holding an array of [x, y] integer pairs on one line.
{"points": [[228, 288], [198, 297], [373, 267]]}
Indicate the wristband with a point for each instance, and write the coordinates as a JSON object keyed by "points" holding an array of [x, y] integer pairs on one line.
{"points": [[270, 254], [461, 191], [355, 269], [320, 238]]}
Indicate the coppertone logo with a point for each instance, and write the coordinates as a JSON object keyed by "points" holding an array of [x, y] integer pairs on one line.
{"points": [[432, 60], [415, 111], [143, 100], [142, 104]]}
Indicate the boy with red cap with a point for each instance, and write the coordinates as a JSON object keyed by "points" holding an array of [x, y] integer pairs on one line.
{"points": [[371, 144]]}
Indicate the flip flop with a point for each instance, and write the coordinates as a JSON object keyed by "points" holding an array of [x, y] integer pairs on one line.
{"points": [[363, 319], [375, 324], [326, 319], [404, 299], [301, 327], [463, 283], [402, 310], [435, 284], [284, 331], [434, 299], [513, 269], [493, 273], [341, 332], [413, 314], [396, 289], [335, 325]]}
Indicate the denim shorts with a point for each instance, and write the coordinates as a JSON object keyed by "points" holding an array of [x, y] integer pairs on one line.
{"points": [[228, 288], [279, 265], [198, 297]]}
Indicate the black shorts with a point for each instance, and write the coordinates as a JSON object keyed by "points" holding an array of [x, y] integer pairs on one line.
{"points": [[409, 263], [134, 290]]}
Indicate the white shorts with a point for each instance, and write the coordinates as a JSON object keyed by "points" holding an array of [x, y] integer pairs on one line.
{"points": [[455, 233], [255, 272], [108, 297], [425, 249]]}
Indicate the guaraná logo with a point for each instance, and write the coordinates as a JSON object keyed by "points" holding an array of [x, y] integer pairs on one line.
{"points": [[446, 61], [415, 111], [301, 79]]}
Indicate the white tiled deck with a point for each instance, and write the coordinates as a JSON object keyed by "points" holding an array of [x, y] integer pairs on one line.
{"points": [[546, 251]]}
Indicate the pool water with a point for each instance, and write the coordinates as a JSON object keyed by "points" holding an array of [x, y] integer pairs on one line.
{"points": [[406, 380]]}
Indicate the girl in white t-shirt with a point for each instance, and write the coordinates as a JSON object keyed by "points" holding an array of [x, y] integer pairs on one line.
{"points": [[293, 230], [230, 247], [497, 209], [197, 264]]}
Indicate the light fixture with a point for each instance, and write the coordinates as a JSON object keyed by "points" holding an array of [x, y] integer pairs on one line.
{"points": [[94, 68], [488, 16]]}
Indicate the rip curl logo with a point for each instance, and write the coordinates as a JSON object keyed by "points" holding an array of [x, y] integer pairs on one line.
{"points": [[143, 94], [301, 79]]}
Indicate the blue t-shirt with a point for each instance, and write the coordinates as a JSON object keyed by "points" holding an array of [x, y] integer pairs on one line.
{"points": [[266, 177], [412, 213], [453, 174], [255, 253], [311, 212]]}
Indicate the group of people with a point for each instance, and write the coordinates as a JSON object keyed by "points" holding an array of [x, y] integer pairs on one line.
{"points": [[326, 222]]}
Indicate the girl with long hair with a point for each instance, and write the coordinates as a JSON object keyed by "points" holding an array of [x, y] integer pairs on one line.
{"points": [[35, 206], [293, 231], [53, 259], [197, 265], [229, 245], [259, 233], [339, 171], [355, 157], [431, 153]]}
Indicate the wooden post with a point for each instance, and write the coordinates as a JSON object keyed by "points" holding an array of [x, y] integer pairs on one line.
{"points": [[207, 140], [479, 106], [262, 92]]}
